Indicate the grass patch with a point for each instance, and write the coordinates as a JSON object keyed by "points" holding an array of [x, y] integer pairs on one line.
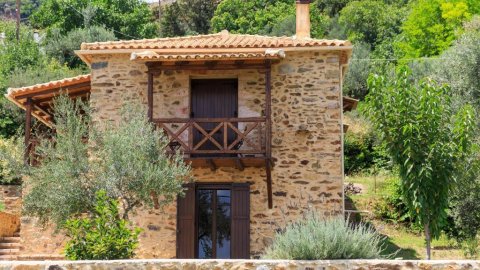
{"points": [[406, 243]]}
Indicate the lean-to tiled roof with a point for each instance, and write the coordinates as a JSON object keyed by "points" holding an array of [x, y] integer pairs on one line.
{"points": [[49, 85], [42, 95]]}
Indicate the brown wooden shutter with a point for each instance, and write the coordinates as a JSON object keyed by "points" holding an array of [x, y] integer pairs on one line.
{"points": [[186, 224], [240, 221]]}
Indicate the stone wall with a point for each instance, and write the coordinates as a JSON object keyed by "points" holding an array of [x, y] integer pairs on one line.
{"points": [[9, 225], [306, 139], [242, 264], [11, 198]]}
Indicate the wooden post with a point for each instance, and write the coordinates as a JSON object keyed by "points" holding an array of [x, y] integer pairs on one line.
{"points": [[268, 127], [150, 95], [268, 108], [268, 170], [28, 127]]}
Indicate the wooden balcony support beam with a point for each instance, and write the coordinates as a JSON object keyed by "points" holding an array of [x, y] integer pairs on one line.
{"points": [[268, 171], [150, 95], [28, 127], [239, 164], [268, 126], [211, 165]]}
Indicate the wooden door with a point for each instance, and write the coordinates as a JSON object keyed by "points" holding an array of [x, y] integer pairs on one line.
{"points": [[186, 223], [213, 98], [213, 221]]}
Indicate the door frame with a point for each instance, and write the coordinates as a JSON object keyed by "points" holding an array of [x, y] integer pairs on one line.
{"points": [[211, 186]]}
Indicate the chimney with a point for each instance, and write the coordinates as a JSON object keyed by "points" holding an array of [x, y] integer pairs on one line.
{"points": [[303, 19]]}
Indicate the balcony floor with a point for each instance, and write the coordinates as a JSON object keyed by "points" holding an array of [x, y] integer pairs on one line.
{"points": [[235, 162]]}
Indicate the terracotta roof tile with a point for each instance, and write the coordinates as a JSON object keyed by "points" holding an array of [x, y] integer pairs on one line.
{"points": [[150, 55], [212, 41], [49, 85]]}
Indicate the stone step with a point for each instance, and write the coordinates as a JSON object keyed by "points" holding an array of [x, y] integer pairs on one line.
{"points": [[8, 257], [10, 251], [40, 257], [10, 239], [9, 245]]}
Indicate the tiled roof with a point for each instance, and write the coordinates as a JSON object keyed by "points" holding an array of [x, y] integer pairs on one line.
{"points": [[150, 55], [49, 85], [46, 92], [214, 41]]}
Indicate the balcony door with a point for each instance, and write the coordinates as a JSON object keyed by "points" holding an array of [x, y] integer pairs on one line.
{"points": [[213, 221], [213, 98]]}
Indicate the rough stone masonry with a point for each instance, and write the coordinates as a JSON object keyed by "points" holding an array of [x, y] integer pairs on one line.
{"points": [[242, 265], [306, 142]]}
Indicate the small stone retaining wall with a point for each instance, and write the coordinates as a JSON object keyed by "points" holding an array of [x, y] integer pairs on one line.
{"points": [[11, 197], [9, 224], [240, 264]]}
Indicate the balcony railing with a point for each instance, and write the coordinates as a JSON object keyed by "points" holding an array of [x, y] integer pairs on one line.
{"points": [[216, 137]]}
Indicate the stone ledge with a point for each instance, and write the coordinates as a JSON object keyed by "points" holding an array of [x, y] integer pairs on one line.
{"points": [[152, 264]]}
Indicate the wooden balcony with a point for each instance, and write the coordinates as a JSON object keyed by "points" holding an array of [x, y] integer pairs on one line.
{"points": [[218, 142]]}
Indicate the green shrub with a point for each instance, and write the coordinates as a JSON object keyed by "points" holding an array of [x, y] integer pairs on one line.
{"points": [[362, 151], [11, 161], [316, 238], [471, 248], [104, 235], [391, 206]]}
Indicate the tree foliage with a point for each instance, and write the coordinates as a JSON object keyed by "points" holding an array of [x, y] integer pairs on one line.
{"points": [[432, 25], [62, 47], [459, 66], [103, 235], [14, 55], [128, 19], [332, 7], [8, 8], [264, 17], [132, 162], [371, 21], [187, 17], [425, 138], [11, 155], [62, 186], [126, 159]]}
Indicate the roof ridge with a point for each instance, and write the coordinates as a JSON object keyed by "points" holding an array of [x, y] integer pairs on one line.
{"points": [[128, 41]]}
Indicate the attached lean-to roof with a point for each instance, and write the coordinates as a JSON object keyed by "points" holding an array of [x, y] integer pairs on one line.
{"points": [[212, 44], [42, 95]]}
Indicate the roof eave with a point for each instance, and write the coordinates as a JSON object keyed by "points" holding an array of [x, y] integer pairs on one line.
{"points": [[84, 53]]}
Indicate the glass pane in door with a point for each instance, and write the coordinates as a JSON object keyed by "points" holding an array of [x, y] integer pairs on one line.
{"points": [[205, 218], [223, 224]]}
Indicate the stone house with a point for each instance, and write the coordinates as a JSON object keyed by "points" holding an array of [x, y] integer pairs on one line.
{"points": [[258, 118]]}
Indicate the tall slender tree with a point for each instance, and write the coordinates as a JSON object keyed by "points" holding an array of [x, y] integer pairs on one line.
{"points": [[425, 137]]}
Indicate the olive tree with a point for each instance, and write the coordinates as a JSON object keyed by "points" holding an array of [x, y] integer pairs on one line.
{"points": [[425, 137], [126, 159]]}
